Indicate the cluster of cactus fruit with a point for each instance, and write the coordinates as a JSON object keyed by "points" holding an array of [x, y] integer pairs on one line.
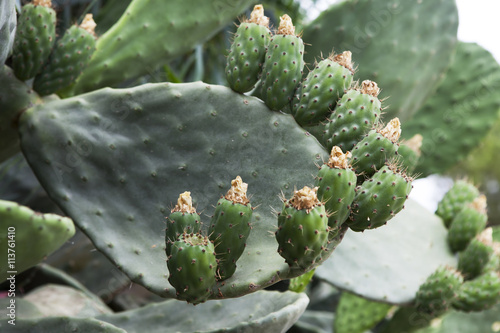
{"points": [[475, 284]]}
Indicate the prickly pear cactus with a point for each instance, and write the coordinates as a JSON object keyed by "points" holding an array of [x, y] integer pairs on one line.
{"points": [[356, 113], [473, 260], [69, 58], [248, 51], [230, 227], [35, 37], [461, 193], [324, 85], [182, 219], [409, 152], [283, 66], [299, 284], [302, 233], [479, 294], [192, 266]]}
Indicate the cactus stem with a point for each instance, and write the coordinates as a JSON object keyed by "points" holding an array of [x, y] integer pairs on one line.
{"points": [[89, 24], [238, 191], [257, 16], [184, 204], [370, 88], [338, 159], [392, 130], [305, 198], [286, 26]]}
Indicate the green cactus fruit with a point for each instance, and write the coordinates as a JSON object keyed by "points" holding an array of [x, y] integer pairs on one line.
{"points": [[494, 263], [469, 222], [318, 94], [479, 294], [379, 198], [460, 194], [302, 233], [192, 266], [436, 295], [283, 66], [35, 37], [182, 219], [473, 260], [230, 227], [356, 113], [376, 148], [68, 59], [336, 183], [248, 51], [409, 152], [299, 284]]}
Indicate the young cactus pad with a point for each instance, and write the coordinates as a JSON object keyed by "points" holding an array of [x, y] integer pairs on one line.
{"points": [[230, 227]]}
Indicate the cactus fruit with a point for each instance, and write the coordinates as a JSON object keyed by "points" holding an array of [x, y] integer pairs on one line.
{"points": [[377, 147], [494, 263], [230, 227], [248, 51], [35, 37], [302, 232], [409, 152], [460, 194], [479, 294], [473, 260], [379, 198], [69, 57], [192, 266], [183, 219], [283, 66], [356, 112], [435, 296], [469, 222], [324, 85], [336, 183]]}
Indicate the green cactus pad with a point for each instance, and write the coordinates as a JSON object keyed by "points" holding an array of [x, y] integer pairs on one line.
{"points": [[456, 118], [460, 194], [59, 324], [247, 55], [317, 95], [182, 219], [282, 71], [336, 183], [357, 315], [262, 311], [192, 266], [35, 37], [473, 260], [379, 199], [389, 264], [145, 145], [468, 223], [479, 294], [302, 232], [70, 56], [356, 113], [150, 34], [392, 45], [436, 294], [8, 20], [20, 225], [15, 97]]}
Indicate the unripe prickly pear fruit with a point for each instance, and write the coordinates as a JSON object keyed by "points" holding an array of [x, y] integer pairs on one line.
{"points": [[283, 66], [469, 222], [355, 114], [230, 227], [461, 193], [318, 94], [379, 198], [192, 266], [435, 296], [182, 219], [494, 263], [377, 148], [248, 51], [68, 59], [35, 37], [409, 152], [473, 260], [479, 294], [336, 183], [302, 233]]}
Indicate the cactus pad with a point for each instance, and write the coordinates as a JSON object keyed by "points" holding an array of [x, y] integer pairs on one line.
{"points": [[8, 21]]}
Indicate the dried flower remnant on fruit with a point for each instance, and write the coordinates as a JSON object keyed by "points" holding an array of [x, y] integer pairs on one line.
{"points": [[338, 159], [257, 16], [344, 59], [370, 88], [305, 198], [486, 236], [392, 130], [238, 191], [43, 3], [89, 24], [415, 143], [184, 204], [286, 26], [479, 204]]}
